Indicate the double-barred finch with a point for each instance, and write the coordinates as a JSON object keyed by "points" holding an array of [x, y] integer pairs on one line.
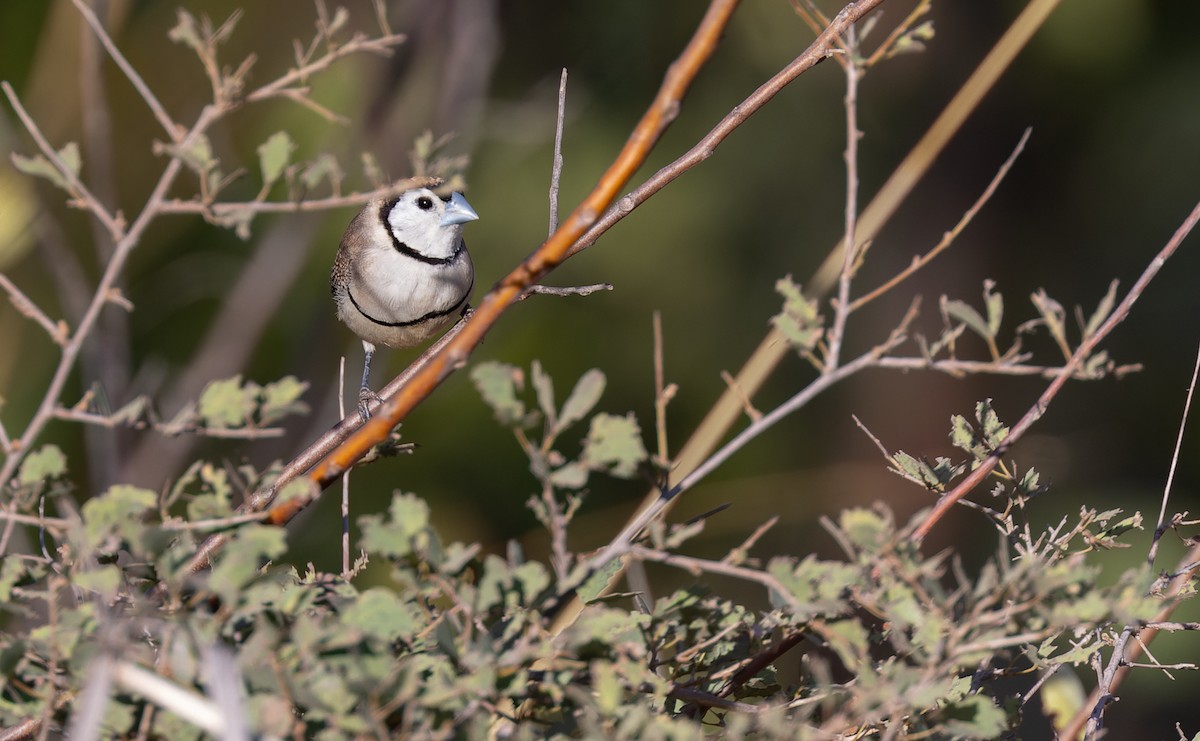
{"points": [[402, 272]]}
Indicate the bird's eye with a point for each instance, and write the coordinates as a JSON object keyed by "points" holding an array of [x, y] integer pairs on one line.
{"points": [[424, 203]]}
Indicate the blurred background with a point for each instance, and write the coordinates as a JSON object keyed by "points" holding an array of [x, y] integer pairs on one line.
{"points": [[1111, 89]]}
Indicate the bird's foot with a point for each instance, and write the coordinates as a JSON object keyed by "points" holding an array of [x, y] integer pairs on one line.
{"points": [[366, 397]]}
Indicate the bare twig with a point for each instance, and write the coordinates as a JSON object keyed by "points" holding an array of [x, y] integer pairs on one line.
{"points": [[348, 200], [747, 405], [704, 565], [1096, 719], [1084, 350], [218, 523], [539, 289], [958, 368], [662, 395], [1162, 512], [174, 130], [113, 421], [949, 237], [556, 166], [52, 523], [26, 307], [841, 307], [381, 45]]}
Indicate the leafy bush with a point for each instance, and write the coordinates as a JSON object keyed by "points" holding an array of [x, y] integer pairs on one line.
{"points": [[175, 613]]}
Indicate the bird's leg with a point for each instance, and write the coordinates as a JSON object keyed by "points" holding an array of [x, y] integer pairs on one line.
{"points": [[365, 394]]}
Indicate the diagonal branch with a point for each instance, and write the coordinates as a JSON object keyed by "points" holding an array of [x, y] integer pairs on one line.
{"points": [[1081, 353]]}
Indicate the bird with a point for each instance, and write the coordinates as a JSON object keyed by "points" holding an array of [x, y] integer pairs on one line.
{"points": [[402, 272]]}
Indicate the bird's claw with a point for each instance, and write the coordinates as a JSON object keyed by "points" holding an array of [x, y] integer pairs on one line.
{"points": [[366, 397]]}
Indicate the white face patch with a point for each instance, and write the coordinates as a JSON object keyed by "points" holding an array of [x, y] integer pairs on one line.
{"points": [[415, 220]]}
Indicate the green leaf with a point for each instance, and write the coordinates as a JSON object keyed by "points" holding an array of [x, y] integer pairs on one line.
{"points": [[118, 511], [993, 431], [850, 641], [800, 321], [323, 167], [1102, 311], [573, 475], [281, 398], [380, 613], [864, 527], [607, 687], [595, 584], [11, 572], [498, 384], [197, 154], [224, 404], [47, 462], [543, 387], [918, 471], [966, 314], [614, 444], [274, 155], [103, 580], [302, 488], [1053, 315], [974, 716], [962, 434], [40, 167], [407, 517], [582, 399], [243, 556], [995, 307]]}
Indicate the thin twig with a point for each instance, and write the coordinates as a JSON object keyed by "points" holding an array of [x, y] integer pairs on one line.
{"points": [[747, 405], [1084, 351], [381, 45], [959, 368], [662, 397], [556, 166], [53, 523], [174, 130], [1096, 719], [113, 421], [348, 200], [1162, 512], [949, 237], [538, 289], [218, 523], [841, 308], [26, 307], [704, 565]]}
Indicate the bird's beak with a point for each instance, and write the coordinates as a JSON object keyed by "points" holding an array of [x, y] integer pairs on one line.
{"points": [[458, 211]]}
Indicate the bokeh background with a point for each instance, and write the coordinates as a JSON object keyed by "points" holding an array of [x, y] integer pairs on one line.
{"points": [[1111, 89]]}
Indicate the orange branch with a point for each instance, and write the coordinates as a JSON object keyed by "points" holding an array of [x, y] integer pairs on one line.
{"points": [[661, 113]]}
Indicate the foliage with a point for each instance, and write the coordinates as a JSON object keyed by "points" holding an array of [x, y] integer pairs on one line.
{"points": [[111, 627]]}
